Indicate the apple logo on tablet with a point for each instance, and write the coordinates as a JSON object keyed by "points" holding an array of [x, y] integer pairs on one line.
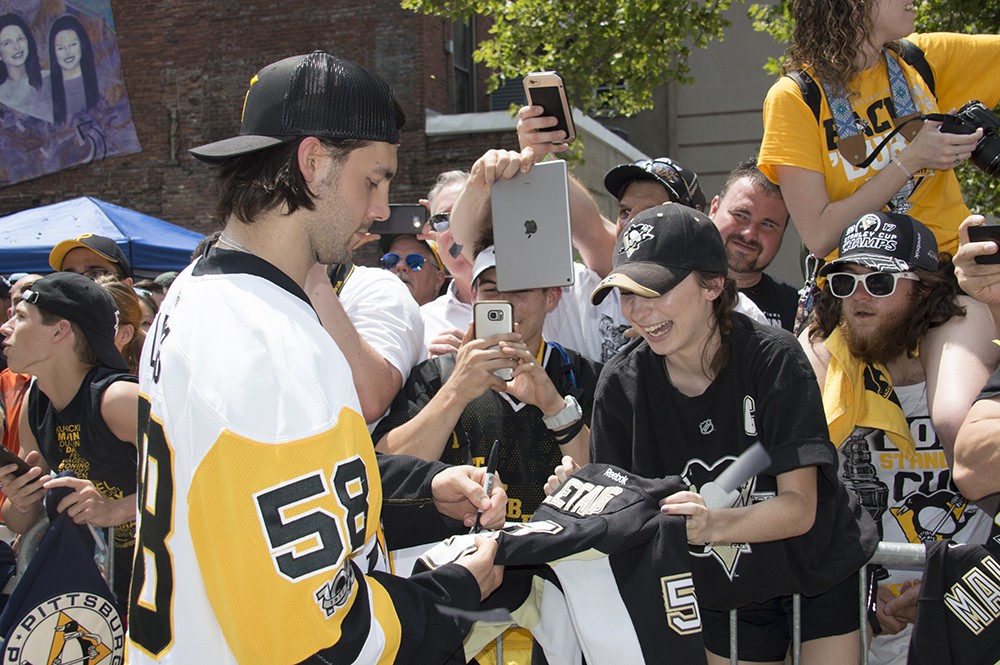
{"points": [[530, 227]]}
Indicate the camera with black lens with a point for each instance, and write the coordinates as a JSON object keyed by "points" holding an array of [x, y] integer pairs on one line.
{"points": [[969, 118]]}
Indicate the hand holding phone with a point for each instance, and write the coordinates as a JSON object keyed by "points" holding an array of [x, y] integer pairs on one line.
{"points": [[8, 457], [546, 89], [494, 317], [984, 233], [404, 219]]}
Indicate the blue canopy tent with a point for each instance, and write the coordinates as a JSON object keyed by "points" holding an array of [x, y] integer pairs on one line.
{"points": [[151, 245]]}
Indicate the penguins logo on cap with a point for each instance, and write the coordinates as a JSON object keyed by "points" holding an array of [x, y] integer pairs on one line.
{"points": [[634, 236]]}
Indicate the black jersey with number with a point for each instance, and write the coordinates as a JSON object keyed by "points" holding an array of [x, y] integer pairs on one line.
{"points": [[77, 439], [958, 616], [598, 569], [768, 392], [528, 450]]}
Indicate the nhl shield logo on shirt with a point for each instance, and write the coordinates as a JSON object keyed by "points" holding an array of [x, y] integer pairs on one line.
{"points": [[70, 628]]}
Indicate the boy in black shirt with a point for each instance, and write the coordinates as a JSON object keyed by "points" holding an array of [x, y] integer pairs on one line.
{"points": [[80, 414]]}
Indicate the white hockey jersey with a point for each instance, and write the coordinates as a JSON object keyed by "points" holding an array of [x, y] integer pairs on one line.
{"points": [[260, 495]]}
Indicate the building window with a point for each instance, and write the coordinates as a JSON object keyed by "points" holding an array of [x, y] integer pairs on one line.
{"points": [[464, 90]]}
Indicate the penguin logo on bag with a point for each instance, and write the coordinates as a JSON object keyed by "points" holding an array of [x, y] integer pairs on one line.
{"points": [[69, 629]]}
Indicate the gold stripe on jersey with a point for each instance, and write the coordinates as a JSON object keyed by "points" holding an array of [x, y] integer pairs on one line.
{"points": [[388, 621], [278, 522]]}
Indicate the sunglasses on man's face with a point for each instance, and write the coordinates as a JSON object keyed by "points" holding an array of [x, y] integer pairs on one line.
{"points": [[878, 284], [440, 222], [413, 261]]}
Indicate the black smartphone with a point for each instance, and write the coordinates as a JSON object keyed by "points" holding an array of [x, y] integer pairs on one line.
{"points": [[983, 233], [8, 457], [546, 89], [404, 219]]}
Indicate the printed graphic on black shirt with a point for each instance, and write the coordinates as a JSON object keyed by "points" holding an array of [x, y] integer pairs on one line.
{"points": [[696, 474]]}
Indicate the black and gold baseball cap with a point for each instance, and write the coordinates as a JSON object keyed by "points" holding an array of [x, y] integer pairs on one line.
{"points": [[680, 182], [886, 242], [660, 247], [100, 245], [318, 94]]}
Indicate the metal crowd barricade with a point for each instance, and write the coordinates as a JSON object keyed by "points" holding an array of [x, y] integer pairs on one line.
{"points": [[892, 555]]}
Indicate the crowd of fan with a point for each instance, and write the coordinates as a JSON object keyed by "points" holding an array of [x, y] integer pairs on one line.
{"points": [[892, 354]]}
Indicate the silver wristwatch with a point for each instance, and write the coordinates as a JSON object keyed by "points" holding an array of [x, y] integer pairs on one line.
{"points": [[571, 413]]}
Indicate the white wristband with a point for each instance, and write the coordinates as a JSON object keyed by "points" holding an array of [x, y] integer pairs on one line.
{"points": [[895, 160]]}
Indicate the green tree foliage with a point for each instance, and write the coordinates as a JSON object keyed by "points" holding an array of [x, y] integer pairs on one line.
{"points": [[611, 54], [981, 193]]}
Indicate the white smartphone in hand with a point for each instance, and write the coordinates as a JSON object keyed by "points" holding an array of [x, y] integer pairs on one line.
{"points": [[494, 317]]}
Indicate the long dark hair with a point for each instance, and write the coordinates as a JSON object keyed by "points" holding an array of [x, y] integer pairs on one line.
{"points": [[87, 67], [31, 64], [722, 319], [937, 303]]}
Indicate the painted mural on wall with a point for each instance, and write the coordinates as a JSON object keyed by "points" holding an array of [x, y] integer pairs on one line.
{"points": [[62, 95]]}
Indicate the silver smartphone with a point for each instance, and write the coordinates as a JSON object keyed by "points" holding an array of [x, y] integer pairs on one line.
{"points": [[494, 317]]}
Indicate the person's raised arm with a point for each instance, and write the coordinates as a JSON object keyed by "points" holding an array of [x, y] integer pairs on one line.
{"points": [[979, 280], [976, 469], [375, 378], [471, 216], [820, 221], [958, 357]]}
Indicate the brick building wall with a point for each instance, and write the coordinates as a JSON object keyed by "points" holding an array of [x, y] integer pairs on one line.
{"points": [[187, 64]]}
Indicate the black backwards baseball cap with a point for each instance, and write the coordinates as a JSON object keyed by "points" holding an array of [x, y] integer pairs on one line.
{"points": [[680, 181], [659, 248], [311, 95], [100, 245], [87, 304], [886, 242]]}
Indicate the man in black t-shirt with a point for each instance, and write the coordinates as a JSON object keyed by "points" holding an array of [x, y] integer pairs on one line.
{"points": [[751, 217], [80, 414], [453, 407]]}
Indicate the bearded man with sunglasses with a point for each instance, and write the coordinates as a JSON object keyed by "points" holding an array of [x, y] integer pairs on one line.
{"points": [[886, 289]]}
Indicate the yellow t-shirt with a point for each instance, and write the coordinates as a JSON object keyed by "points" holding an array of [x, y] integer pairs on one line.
{"points": [[965, 67]]}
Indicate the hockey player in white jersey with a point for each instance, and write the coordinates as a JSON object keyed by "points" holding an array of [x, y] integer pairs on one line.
{"points": [[262, 502]]}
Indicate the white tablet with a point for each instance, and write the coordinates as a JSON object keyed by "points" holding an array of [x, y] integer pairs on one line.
{"points": [[531, 229]]}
